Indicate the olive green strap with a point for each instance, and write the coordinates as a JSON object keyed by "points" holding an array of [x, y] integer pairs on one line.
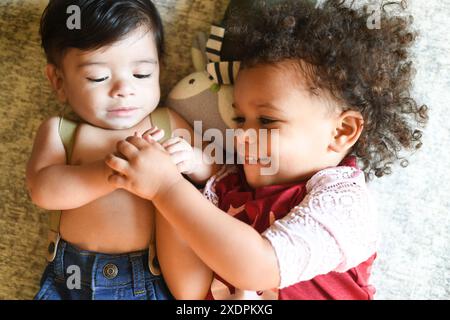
{"points": [[67, 130], [53, 235], [160, 118], [152, 257]]}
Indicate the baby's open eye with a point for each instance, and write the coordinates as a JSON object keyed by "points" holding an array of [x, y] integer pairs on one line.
{"points": [[97, 79], [238, 119], [142, 76], [266, 120]]}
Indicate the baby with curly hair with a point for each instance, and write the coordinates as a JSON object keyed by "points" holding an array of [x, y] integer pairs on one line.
{"points": [[337, 94]]}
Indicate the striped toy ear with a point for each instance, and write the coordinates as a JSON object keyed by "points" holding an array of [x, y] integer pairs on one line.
{"points": [[223, 72], [214, 43]]}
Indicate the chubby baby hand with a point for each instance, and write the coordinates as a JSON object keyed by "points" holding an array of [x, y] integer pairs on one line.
{"points": [[180, 150], [144, 168]]}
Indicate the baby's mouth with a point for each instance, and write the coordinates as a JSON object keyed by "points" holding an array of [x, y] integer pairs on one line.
{"points": [[250, 160], [122, 111]]}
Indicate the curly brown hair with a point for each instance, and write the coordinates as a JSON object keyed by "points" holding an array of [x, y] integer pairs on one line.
{"points": [[367, 70]]}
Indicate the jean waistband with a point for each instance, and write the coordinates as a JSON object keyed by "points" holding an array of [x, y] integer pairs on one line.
{"points": [[99, 270]]}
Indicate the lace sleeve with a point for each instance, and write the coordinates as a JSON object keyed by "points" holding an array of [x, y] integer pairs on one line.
{"points": [[209, 191], [332, 229]]}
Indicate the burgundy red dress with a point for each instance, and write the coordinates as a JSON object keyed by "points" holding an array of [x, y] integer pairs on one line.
{"points": [[260, 208]]}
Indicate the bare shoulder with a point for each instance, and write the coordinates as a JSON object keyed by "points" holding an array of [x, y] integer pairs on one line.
{"points": [[48, 127], [48, 148], [48, 134]]}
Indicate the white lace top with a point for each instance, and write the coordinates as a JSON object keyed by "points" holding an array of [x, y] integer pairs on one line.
{"points": [[332, 229]]}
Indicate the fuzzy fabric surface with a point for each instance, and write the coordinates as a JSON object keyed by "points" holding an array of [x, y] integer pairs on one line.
{"points": [[414, 255]]}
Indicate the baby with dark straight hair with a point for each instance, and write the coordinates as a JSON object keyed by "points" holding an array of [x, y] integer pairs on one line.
{"points": [[106, 72]]}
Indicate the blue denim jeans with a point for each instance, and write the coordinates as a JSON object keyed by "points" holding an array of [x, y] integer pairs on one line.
{"points": [[77, 274]]}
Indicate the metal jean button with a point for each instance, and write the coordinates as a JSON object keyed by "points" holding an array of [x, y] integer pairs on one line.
{"points": [[110, 271]]}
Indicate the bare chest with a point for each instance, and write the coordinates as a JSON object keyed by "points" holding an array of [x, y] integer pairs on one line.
{"points": [[93, 143]]}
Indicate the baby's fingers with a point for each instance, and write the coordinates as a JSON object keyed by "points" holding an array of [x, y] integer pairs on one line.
{"points": [[118, 181], [135, 141], [117, 164], [185, 167], [170, 142], [180, 156], [154, 133], [184, 161], [176, 145], [127, 149]]}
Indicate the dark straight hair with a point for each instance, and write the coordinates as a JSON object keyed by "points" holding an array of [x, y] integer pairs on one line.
{"points": [[102, 22]]}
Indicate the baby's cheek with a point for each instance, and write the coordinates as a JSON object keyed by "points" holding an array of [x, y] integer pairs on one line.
{"points": [[285, 146], [279, 156], [270, 142], [153, 97]]}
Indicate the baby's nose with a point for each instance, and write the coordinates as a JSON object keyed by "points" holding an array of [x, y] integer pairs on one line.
{"points": [[122, 89]]}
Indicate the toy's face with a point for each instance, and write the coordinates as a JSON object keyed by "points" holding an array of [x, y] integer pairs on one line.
{"points": [[114, 87], [192, 85], [198, 98]]}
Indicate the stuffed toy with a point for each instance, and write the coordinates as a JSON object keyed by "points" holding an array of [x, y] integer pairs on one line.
{"points": [[207, 94]]}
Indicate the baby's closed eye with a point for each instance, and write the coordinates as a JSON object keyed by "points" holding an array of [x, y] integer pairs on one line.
{"points": [[97, 79], [142, 76]]}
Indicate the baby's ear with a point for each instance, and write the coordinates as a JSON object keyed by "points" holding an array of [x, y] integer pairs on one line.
{"points": [[55, 77], [348, 129]]}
